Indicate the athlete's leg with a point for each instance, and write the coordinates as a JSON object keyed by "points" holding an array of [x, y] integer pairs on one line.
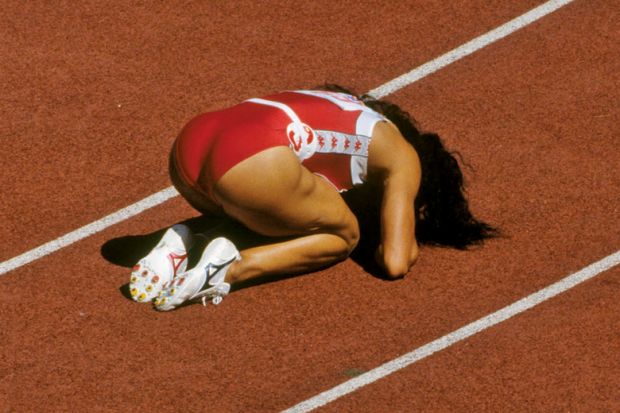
{"points": [[273, 195]]}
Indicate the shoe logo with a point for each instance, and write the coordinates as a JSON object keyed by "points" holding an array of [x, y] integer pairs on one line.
{"points": [[176, 261], [213, 269]]}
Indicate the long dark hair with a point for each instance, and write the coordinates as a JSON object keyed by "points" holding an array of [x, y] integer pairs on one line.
{"points": [[441, 208]]}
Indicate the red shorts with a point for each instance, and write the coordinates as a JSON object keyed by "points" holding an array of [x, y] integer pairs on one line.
{"points": [[329, 132]]}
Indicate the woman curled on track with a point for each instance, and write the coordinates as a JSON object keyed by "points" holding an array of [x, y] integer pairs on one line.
{"points": [[278, 165]]}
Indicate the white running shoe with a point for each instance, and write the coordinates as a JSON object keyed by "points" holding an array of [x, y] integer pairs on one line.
{"points": [[161, 265], [205, 280]]}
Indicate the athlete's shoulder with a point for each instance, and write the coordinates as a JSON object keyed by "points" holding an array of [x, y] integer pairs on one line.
{"points": [[389, 152]]}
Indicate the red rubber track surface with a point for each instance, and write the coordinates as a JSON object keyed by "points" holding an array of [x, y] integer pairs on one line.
{"points": [[93, 96]]}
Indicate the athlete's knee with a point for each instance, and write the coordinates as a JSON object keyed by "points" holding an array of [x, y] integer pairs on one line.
{"points": [[351, 234]]}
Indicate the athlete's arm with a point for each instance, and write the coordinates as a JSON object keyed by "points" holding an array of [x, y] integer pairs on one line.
{"points": [[397, 165]]}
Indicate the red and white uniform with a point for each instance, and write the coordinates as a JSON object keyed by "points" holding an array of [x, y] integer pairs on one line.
{"points": [[329, 132]]}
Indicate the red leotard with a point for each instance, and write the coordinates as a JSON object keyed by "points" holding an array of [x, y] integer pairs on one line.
{"points": [[329, 132]]}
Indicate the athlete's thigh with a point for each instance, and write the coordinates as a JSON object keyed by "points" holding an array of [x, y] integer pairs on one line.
{"points": [[273, 194]]}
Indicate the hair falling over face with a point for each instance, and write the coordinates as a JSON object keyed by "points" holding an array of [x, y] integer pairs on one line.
{"points": [[441, 208]]}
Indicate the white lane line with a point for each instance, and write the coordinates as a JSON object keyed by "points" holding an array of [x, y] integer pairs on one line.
{"points": [[87, 230], [381, 91], [468, 48], [462, 333]]}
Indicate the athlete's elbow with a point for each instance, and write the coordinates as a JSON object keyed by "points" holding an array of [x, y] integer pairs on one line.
{"points": [[395, 271], [397, 267]]}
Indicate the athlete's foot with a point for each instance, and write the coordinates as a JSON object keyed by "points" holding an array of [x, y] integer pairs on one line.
{"points": [[161, 265], [204, 281]]}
